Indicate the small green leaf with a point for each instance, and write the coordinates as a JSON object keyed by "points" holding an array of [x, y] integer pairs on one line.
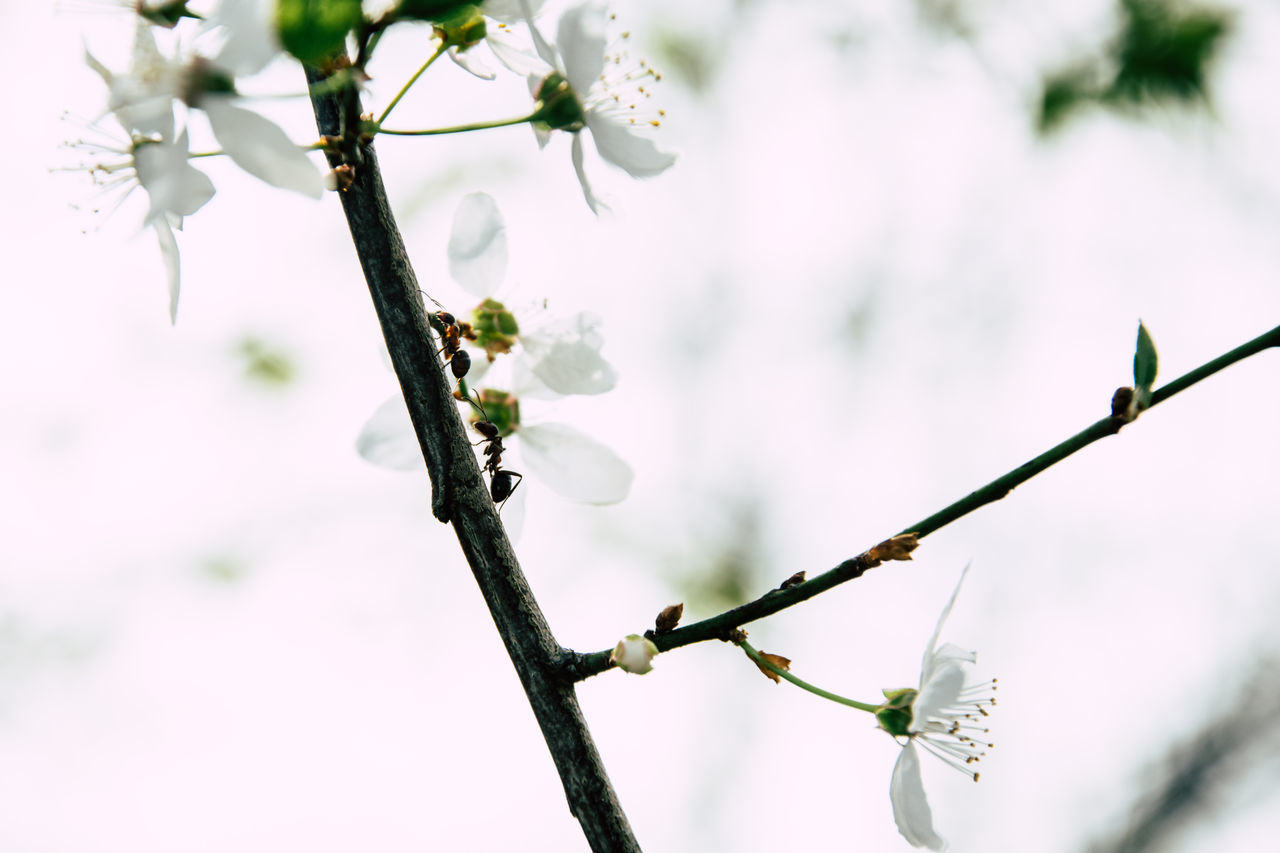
{"points": [[1144, 360], [314, 29]]}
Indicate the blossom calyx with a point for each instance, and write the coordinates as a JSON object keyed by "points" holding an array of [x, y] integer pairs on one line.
{"points": [[495, 327], [895, 714], [559, 106], [462, 27]]}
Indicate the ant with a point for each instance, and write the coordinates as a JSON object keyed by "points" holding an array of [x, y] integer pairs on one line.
{"points": [[502, 481], [452, 335]]}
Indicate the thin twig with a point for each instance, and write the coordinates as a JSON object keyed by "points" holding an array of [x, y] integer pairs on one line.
{"points": [[719, 627], [458, 491]]}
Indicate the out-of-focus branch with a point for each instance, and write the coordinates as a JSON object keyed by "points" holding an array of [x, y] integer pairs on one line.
{"points": [[1245, 734], [581, 666], [458, 491]]}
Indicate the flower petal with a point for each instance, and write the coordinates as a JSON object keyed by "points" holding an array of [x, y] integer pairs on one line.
{"points": [[387, 439], [261, 148], [938, 692], [478, 245], [171, 182], [539, 43], [580, 40], [510, 11], [937, 631], [514, 56], [574, 465], [172, 264], [619, 144], [565, 355], [910, 807], [472, 62], [594, 203], [251, 38]]}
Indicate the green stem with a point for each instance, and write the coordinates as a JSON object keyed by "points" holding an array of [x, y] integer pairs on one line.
{"points": [[414, 79], [804, 685], [461, 128], [720, 627]]}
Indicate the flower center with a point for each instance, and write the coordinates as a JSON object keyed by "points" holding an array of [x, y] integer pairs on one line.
{"points": [[957, 734], [624, 92]]}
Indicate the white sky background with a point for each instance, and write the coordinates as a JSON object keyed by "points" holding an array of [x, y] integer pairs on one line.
{"points": [[865, 290]]}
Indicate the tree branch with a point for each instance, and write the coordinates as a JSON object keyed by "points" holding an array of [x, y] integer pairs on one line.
{"points": [[458, 490], [582, 666]]}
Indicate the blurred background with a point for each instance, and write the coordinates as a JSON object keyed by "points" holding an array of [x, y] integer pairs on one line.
{"points": [[905, 249]]}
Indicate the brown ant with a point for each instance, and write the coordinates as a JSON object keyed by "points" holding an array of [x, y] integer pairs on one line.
{"points": [[502, 481], [452, 335]]}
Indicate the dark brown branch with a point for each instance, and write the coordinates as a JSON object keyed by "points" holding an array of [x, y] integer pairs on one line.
{"points": [[581, 666], [458, 491]]}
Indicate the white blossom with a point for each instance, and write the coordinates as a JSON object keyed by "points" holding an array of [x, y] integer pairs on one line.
{"points": [[500, 40], [945, 718], [143, 100], [611, 92]]}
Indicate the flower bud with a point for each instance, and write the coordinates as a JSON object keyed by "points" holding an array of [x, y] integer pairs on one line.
{"points": [[634, 654]]}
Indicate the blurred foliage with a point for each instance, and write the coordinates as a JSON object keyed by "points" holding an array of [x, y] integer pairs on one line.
{"points": [[1161, 55], [731, 572], [264, 365], [223, 570]]}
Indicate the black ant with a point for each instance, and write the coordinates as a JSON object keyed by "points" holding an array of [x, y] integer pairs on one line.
{"points": [[502, 481], [452, 334]]}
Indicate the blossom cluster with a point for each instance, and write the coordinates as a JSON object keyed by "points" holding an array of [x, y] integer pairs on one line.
{"points": [[184, 63], [543, 359]]}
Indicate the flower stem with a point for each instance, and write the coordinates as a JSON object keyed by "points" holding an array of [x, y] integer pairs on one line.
{"points": [[414, 79], [461, 128], [761, 661]]}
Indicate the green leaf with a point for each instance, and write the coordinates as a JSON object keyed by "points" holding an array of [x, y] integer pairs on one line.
{"points": [[314, 29], [1144, 360]]}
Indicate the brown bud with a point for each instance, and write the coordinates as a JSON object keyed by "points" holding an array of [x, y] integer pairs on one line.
{"points": [[341, 178], [1124, 404], [794, 580], [897, 548], [669, 618], [777, 661]]}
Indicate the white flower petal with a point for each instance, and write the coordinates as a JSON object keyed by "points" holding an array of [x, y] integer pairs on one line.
{"points": [[581, 43], [937, 631], [478, 245], [910, 807], [172, 183], [261, 148], [539, 43], [594, 203], [565, 355], [472, 62], [387, 439], [510, 11], [172, 264], [619, 144], [251, 38], [939, 692], [574, 465], [513, 55]]}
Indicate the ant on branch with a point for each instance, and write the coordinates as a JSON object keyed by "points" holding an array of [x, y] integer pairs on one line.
{"points": [[502, 481], [452, 335]]}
